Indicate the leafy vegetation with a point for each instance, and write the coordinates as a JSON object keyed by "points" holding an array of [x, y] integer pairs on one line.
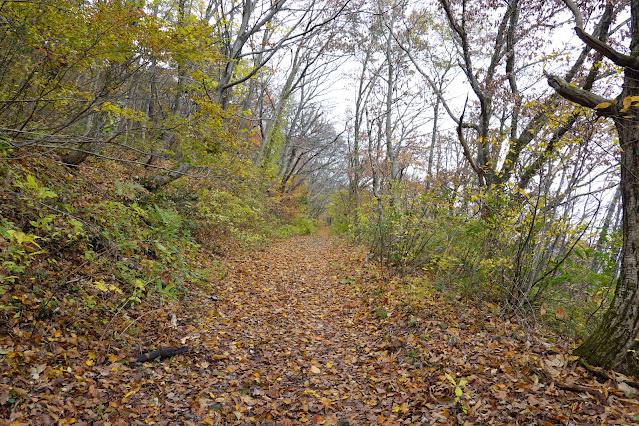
{"points": [[166, 167], [532, 265]]}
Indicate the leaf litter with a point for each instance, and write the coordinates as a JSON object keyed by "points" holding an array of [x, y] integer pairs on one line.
{"points": [[308, 332]]}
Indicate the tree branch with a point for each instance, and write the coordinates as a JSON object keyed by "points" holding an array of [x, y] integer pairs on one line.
{"points": [[610, 53], [596, 44], [581, 96], [467, 153]]}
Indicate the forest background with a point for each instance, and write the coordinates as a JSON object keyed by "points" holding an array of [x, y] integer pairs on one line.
{"points": [[133, 133]]}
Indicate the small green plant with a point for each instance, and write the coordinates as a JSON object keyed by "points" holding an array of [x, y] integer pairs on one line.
{"points": [[169, 290], [381, 312], [33, 189], [18, 251], [138, 292], [460, 395]]}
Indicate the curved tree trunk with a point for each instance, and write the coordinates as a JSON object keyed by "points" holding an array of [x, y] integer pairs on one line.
{"points": [[615, 342], [156, 182], [77, 156]]}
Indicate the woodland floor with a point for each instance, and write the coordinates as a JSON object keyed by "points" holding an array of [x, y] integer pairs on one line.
{"points": [[305, 332]]}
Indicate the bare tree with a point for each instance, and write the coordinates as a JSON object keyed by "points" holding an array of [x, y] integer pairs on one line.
{"points": [[499, 80]]}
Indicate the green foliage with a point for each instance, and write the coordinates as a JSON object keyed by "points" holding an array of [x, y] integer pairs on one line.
{"points": [[224, 213], [410, 238], [301, 225], [339, 213], [49, 45], [458, 388], [512, 251], [380, 312]]}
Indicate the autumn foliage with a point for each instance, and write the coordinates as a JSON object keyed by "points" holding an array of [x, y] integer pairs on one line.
{"points": [[191, 232]]}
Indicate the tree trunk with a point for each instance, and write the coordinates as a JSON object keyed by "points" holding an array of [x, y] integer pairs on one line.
{"points": [[77, 156], [156, 182], [615, 341], [595, 265]]}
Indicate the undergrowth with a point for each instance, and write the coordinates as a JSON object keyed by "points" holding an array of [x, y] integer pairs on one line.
{"points": [[85, 246], [507, 250]]}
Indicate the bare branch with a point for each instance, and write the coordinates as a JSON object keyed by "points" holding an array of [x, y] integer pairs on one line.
{"points": [[579, 22], [467, 153], [596, 44], [610, 53], [581, 96]]}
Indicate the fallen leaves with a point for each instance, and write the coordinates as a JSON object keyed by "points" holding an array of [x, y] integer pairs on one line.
{"points": [[292, 341]]}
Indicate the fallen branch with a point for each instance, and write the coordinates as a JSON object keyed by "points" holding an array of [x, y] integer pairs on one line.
{"points": [[577, 388], [160, 353], [606, 376], [208, 296], [573, 387]]}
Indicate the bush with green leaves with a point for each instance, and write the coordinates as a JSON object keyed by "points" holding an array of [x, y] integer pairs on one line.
{"points": [[502, 245], [301, 225]]}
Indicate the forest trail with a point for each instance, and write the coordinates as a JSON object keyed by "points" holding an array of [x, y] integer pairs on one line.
{"points": [[301, 343], [304, 332]]}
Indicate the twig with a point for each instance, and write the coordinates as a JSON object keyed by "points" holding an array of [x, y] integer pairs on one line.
{"points": [[574, 388], [214, 298], [577, 388], [160, 353]]}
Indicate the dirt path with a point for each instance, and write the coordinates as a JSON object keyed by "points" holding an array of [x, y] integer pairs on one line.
{"points": [[305, 333], [302, 340]]}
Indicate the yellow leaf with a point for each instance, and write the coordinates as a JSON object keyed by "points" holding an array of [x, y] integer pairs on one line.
{"points": [[560, 312], [627, 101], [450, 378], [89, 362], [329, 365], [603, 105], [57, 334], [115, 288], [458, 392], [396, 409], [100, 285], [113, 358]]}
